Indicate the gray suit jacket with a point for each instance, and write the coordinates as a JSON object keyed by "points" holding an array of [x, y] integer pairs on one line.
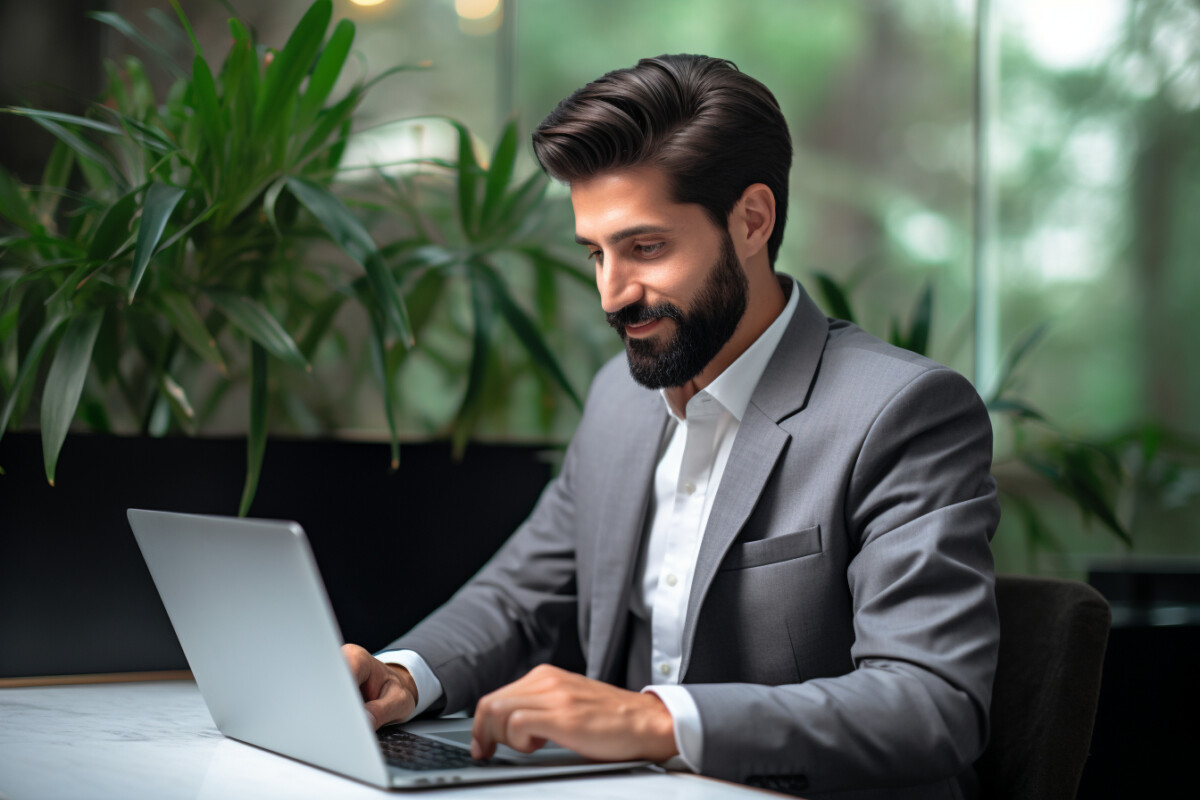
{"points": [[841, 632]]}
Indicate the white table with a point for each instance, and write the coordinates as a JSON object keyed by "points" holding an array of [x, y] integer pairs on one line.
{"points": [[157, 740]]}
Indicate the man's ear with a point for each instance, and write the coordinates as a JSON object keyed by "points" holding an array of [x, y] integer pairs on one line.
{"points": [[752, 220]]}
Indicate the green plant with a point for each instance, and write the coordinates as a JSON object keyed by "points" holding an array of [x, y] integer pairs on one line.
{"points": [[1091, 475], [471, 227], [182, 247], [164, 256]]}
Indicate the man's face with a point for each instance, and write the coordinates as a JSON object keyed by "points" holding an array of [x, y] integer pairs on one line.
{"points": [[670, 281]]}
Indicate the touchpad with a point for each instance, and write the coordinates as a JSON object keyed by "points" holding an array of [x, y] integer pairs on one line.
{"points": [[462, 738]]}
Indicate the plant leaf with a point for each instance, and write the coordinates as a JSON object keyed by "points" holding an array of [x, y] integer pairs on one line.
{"points": [[82, 147], [29, 365], [13, 205], [208, 109], [325, 73], [256, 439], [187, 27], [186, 321], [836, 298], [525, 329], [481, 345], [918, 332], [239, 77], [516, 206], [379, 359], [289, 67], [64, 384], [348, 232], [499, 174], [328, 120], [118, 22], [70, 119], [543, 260], [1015, 407], [257, 323], [161, 199], [1016, 356], [113, 229], [57, 174], [468, 180]]}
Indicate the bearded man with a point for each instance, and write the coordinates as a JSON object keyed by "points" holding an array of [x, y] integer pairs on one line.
{"points": [[767, 551]]}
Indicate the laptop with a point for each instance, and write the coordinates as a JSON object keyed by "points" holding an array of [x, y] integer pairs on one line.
{"points": [[256, 625]]}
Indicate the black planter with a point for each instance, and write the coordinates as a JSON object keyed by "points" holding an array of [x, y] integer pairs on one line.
{"points": [[75, 596]]}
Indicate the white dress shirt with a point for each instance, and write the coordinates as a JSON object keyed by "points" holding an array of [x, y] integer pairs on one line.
{"points": [[685, 483]]}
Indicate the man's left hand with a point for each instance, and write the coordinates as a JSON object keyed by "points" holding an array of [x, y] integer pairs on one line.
{"points": [[592, 718]]}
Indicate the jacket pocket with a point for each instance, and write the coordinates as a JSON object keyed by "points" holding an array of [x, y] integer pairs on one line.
{"points": [[774, 549]]}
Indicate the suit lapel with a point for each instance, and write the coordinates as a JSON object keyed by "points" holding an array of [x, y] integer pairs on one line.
{"points": [[781, 392], [619, 531]]}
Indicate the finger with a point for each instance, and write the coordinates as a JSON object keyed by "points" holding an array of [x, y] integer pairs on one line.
{"points": [[483, 743], [393, 703], [354, 658], [528, 729], [493, 712]]}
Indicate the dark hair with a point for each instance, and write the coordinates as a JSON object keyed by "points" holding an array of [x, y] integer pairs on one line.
{"points": [[712, 130]]}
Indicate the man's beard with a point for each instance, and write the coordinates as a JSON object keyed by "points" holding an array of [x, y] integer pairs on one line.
{"points": [[700, 333]]}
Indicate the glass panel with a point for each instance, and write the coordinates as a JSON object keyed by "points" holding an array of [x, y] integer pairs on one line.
{"points": [[1096, 160]]}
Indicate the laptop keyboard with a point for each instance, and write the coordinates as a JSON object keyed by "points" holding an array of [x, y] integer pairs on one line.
{"points": [[410, 751]]}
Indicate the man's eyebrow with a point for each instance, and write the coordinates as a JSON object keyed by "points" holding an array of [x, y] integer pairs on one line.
{"points": [[622, 235]]}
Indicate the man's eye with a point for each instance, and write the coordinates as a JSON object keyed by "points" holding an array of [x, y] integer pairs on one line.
{"points": [[598, 255], [649, 249]]}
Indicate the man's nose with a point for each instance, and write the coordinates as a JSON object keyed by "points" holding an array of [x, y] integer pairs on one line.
{"points": [[618, 287]]}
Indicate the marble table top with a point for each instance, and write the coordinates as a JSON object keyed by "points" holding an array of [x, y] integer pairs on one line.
{"points": [[157, 740]]}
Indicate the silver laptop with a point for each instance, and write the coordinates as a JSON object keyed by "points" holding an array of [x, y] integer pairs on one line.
{"points": [[255, 623]]}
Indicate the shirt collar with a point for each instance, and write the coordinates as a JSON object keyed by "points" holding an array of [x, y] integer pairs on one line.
{"points": [[733, 388]]}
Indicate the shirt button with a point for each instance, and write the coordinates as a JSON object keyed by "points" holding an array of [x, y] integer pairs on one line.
{"points": [[672, 580], [665, 669], [689, 487]]}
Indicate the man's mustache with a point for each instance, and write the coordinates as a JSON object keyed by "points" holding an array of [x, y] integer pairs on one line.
{"points": [[639, 313]]}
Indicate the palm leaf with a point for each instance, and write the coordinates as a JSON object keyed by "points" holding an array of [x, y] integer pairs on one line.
{"points": [[481, 345], [499, 174], [289, 68], [257, 323], [836, 299], [525, 329], [348, 232], [64, 384], [256, 440], [325, 73], [161, 199]]}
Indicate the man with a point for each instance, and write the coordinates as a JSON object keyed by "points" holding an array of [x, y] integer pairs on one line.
{"points": [[773, 523]]}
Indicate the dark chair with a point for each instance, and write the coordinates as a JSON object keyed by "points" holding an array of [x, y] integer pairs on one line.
{"points": [[1052, 638]]}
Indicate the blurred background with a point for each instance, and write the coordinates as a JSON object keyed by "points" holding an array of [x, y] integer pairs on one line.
{"points": [[1029, 170], [1010, 186]]}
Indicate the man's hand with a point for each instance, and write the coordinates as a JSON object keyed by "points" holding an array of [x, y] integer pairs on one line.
{"points": [[389, 692], [592, 718]]}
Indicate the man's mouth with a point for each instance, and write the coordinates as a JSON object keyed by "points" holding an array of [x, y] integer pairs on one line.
{"points": [[642, 328]]}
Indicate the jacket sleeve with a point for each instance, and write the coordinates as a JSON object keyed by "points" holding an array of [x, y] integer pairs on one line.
{"points": [[921, 508]]}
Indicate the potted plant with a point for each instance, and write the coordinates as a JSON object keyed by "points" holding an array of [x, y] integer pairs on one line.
{"points": [[177, 269]]}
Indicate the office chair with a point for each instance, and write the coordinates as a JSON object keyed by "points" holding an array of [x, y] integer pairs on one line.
{"points": [[1052, 638]]}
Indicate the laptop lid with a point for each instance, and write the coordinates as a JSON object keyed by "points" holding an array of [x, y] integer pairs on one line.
{"points": [[252, 616], [251, 613]]}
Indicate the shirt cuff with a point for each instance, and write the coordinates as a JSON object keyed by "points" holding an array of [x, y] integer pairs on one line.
{"points": [[686, 717], [429, 688]]}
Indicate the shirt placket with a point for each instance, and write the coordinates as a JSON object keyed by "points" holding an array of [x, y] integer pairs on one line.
{"points": [[675, 577]]}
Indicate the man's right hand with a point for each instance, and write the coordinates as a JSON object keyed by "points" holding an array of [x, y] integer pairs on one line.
{"points": [[389, 692]]}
